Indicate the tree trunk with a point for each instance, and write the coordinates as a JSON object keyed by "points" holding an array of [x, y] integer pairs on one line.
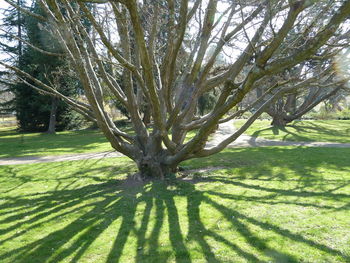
{"points": [[153, 168], [147, 116], [279, 121], [53, 113], [19, 30]]}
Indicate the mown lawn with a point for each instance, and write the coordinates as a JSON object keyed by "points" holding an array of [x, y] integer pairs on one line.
{"points": [[273, 204], [307, 130], [15, 144]]}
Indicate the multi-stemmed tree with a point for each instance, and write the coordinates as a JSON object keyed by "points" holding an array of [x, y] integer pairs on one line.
{"points": [[306, 86], [164, 62], [313, 81]]}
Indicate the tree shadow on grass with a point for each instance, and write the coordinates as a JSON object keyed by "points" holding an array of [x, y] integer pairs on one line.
{"points": [[297, 132], [289, 135], [126, 211]]}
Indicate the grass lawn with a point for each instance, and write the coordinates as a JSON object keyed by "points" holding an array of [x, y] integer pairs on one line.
{"points": [[273, 204], [14, 144], [308, 130]]}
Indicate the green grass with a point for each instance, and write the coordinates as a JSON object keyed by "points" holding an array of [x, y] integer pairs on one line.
{"points": [[263, 205], [321, 131], [14, 144]]}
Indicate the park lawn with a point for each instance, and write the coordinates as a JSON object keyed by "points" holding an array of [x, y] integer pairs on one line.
{"points": [[271, 204], [7, 128], [306, 130], [15, 144]]}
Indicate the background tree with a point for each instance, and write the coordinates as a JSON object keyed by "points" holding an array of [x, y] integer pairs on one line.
{"points": [[316, 79], [171, 84], [37, 111], [309, 84], [12, 25]]}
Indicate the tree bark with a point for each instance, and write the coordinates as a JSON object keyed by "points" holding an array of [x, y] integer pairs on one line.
{"points": [[153, 167], [19, 30], [147, 116], [53, 116], [279, 121]]}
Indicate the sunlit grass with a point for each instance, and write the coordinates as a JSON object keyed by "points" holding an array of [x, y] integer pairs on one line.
{"points": [[307, 130], [262, 205], [15, 144], [7, 128]]}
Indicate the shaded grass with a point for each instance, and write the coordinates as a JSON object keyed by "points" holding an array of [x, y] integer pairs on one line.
{"points": [[307, 130], [273, 204]]}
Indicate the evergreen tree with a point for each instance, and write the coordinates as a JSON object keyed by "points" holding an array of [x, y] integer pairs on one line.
{"points": [[35, 111], [11, 30]]}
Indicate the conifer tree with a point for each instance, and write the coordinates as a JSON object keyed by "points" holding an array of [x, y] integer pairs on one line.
{"points": [[36, 111]]}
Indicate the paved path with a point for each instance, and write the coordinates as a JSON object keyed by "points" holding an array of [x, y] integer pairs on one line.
{"points": [[225, 130]]}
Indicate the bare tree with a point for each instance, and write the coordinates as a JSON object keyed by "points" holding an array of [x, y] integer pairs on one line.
{"points": [[309, 84], [313, 81], [161, 51]]}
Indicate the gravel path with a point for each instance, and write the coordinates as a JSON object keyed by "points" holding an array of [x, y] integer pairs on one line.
{"points": [[225, 130]]}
